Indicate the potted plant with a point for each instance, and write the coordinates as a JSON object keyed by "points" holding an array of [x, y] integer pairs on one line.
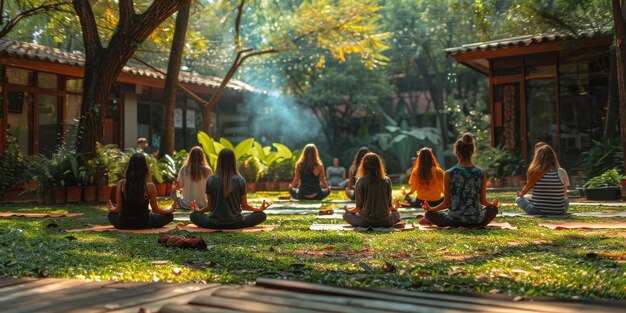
{"points": [[107, 167], [249, 169], [14, 175], [169, 171], [605, 186], [281, 172], [90, 190], [512, 167]]}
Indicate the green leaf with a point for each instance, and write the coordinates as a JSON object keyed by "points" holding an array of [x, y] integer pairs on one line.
{"points": [[282, 151], [244, 148], [227, 144]]}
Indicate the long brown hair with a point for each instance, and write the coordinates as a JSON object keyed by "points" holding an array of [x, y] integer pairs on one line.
{"points": [[135, 177], [425, 164], [544, 160], [309, 159], [196, 164], [464, 146], [373, 167], [226, 168]]}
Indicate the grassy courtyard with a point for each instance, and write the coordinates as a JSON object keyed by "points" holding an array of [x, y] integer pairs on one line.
{"points": [[529, 261]]}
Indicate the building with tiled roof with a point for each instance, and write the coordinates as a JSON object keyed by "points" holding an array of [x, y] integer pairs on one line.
{"points": [[41, 88], [549, 87]]}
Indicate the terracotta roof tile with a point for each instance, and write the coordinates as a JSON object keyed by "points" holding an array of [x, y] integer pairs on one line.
{"points": [[53, 55]]}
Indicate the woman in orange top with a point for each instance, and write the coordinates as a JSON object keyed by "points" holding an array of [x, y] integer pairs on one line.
{"points": [[426, 180]]}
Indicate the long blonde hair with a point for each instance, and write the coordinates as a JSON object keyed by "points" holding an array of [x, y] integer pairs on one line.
{"points": [[196, 164], [309, 159], [544, 160]]}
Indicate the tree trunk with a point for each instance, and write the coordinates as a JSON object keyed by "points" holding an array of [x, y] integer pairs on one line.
{"points": [[620, 54], [98, 81], [613, 105], [171, 80], [103, 64]]}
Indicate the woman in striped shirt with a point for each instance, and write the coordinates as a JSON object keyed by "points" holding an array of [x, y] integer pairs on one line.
{"points": [[548, 182]]}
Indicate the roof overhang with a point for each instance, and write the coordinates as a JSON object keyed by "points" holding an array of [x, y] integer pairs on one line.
{"points": [[477, 56]]}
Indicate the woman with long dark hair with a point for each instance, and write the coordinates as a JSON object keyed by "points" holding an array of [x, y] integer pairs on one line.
{"points": [[309, 176], [426, 180], [134, 193], [226, 198], [465, 186], [373, 196], [356, 163], [192, 180]]}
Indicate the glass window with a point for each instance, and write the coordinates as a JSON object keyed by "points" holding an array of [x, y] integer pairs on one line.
{"points": [[46, 80], [19, 76], [18, 127], [507, 66], [74, 85], [583, 92], [113, 109], [49, 127], [541, 112], [72, 116]]}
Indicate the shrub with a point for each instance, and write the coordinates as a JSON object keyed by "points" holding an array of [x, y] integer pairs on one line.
{"points": [[603, 156], [610, 178]]}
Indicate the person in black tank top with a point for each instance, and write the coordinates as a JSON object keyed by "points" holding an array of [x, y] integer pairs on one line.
{"points": [[309, 177], [135, 194]]}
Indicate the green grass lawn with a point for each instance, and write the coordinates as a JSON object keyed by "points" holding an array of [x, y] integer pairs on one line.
{"points": [[528, 261]]}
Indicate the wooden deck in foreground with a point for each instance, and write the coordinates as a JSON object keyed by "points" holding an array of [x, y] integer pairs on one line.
{"points": [[268, 295]]}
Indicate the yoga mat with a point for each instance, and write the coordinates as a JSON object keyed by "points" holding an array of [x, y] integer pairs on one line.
{"points": [[194, 228], [490, 226], [581, 225], [103, 228], [311, 206], [347, 227], [601, 214], [338, 201], [520, 214], [340, 216], [38, 215]]}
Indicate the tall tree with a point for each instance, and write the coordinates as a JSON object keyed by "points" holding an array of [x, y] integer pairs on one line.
{"points": [[341, 27], [104, 63], [619, 13], [171, 79]]}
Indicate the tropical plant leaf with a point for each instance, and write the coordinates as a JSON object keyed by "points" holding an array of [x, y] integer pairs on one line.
{"points": [[244, 148], [226, 144], [282, 151]]}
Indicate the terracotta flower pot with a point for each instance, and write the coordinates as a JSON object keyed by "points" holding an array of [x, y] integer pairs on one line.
{"points": [[168, 188], [104, 193], [90, 193], [74, 194], [623, 184], [282, 186], [59, 195]]}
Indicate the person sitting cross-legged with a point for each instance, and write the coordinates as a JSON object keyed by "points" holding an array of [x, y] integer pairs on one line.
{"points": [[309, 177], [226, 199], [464, 193], [548, 182], [426, 180], [373, 196], [134, 194]]}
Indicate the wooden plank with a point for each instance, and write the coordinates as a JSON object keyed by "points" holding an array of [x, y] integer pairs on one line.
{"points": [[9, 292], [10, 281], [361, 304], [28, 305], [81, 302], [25, 296], [246, 305], [320, 303], [441, 302], [177, 308], [173, 293], [532, 303]]}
